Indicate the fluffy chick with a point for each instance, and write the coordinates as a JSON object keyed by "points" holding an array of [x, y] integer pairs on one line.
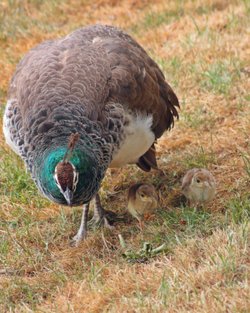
{"points": [[142, 200], [198, 186]]}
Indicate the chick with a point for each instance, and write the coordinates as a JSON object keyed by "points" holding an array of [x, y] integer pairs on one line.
{"points": [[142, 200], [198, 185]]}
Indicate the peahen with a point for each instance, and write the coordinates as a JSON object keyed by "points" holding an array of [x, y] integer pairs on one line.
{"points": [[81, 104]]}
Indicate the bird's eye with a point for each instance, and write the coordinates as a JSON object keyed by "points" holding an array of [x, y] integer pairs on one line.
{"points": [[198, 181], [142, 195]]}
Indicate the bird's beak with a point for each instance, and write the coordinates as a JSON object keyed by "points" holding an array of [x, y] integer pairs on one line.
{"points": [[68, 195]]}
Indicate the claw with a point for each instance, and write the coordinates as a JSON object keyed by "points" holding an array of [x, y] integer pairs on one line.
{"points": [[107, 219], [77, 239], [101, 216]]}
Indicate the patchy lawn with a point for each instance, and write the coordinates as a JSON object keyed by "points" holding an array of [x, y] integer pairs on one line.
{"points": [[203, 47]]}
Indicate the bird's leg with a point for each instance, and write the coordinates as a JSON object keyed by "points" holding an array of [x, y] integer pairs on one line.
{"points": [[191, 203], [101, 216], [141, 225], [82, 231], [194, 204]]}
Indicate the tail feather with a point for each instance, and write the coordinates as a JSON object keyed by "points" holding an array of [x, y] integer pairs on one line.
{"points": [[148, 160]]}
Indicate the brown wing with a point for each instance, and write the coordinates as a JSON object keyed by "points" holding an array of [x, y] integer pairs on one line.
{"points": [[118, 69], [138, 83], [148, 160]]}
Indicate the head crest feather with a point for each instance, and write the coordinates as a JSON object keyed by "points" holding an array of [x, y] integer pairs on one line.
{"points": [[71, 145]]}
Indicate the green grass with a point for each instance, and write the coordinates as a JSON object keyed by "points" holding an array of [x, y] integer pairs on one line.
{"points": [[153, 20], [21, 18], [202, 159], [238, 209], [20, 291], [217, 78], [16, 183], [201, 118]]}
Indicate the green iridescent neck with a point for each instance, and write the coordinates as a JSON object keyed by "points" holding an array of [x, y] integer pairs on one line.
{"points": [[86, 166]]}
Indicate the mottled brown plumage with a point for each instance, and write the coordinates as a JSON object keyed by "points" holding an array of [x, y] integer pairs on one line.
{"points": [[97, 82], [54, 73]]}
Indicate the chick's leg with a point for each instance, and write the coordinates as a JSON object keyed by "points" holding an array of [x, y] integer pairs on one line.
{"points": [[82, 231], [141, 224]]}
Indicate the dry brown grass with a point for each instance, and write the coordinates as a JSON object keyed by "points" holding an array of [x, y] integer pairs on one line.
{"points": [[203, 48], [190, 281]]}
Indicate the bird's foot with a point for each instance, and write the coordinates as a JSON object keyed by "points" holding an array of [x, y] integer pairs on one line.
{"points": [[78, 238], [106, 219], [149, 216], [102, 217]]}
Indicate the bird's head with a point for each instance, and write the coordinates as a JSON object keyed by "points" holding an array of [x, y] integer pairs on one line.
{"points": [[147, 194], [200, 180], [70, 174], [66, 177]]}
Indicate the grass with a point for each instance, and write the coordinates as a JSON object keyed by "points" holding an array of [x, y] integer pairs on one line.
{"points": [[186, 259], [153, 20], [239, 209], [218, 78]]}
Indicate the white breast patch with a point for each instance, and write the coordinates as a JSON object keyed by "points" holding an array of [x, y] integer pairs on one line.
{"points": [[6, 126], [138, 139]]}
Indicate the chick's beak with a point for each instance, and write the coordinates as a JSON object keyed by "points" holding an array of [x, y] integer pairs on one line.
{"points": [[145, 199], [68, 195]]}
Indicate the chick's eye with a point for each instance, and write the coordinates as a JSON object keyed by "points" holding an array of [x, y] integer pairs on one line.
{"points": [[142, 195], [198, 181]]}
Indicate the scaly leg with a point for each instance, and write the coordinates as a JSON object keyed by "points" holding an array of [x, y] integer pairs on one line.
{"points": [[101, 216], [82, 231]]}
